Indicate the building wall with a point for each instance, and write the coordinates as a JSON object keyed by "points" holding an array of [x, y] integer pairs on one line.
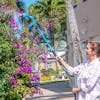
{"points": [[88, 21]]}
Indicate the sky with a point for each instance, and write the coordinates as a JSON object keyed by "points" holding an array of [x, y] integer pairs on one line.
{"points": [[29, 2]]}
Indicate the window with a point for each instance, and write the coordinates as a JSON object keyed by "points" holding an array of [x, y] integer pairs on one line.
{"points": [[49, 66], [74, 5], [75, 2], [84, 43], [84, 0]]}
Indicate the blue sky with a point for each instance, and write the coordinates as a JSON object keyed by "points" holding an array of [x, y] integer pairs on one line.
{"points": [[29, 2]]}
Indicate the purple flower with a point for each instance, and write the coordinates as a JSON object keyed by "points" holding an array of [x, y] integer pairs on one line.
{"points": [[32, 94], [26, 69], [13, 81], [9, 35], [33, 37]]}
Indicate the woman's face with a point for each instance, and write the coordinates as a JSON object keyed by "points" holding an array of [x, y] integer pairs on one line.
{"points": [[89, 51]]}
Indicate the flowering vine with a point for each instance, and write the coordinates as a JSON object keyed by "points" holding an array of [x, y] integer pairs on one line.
{"points": [[17, 58]]}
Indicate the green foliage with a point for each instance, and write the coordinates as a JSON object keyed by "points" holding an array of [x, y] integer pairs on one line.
{"points": [[50, 9], [75, 1], [7, 54], [7, 64], [6, 51], [25, 78], [23, 90], [53, 72], [47, 76], [13, 97], [6, 67], [14, 83], [10, 3]]}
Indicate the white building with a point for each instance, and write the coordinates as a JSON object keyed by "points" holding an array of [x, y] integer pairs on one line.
{"points": [[88, 21]]}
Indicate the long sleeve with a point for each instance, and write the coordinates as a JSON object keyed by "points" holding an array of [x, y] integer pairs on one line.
{"points": [[91, 79], [88, 79], [75, 70]]}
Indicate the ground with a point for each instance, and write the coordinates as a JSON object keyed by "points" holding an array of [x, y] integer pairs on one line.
{"points": [[54, 91]]}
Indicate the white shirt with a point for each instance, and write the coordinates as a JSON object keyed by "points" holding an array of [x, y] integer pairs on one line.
{"points": [[88, 79]]}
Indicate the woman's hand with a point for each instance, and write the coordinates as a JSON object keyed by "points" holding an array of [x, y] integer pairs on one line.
{"points": [[75, 90], [62, 61]]}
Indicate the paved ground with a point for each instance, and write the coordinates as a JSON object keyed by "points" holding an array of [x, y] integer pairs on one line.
{"points": [[54, 91]]}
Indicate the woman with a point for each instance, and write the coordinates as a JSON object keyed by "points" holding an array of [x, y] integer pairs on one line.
{"points": [[88, 73]]}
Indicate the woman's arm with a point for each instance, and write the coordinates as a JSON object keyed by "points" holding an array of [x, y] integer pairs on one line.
{"points": [[71, 70], [62, 61]]}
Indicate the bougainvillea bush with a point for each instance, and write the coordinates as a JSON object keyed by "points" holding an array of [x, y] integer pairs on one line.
{"points": [[17, 57]]}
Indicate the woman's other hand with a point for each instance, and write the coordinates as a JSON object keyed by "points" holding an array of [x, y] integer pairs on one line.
{"points": [[75, 90]]}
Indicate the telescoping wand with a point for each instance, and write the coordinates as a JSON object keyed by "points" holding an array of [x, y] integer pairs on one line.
{"points": [[25, 15]]}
